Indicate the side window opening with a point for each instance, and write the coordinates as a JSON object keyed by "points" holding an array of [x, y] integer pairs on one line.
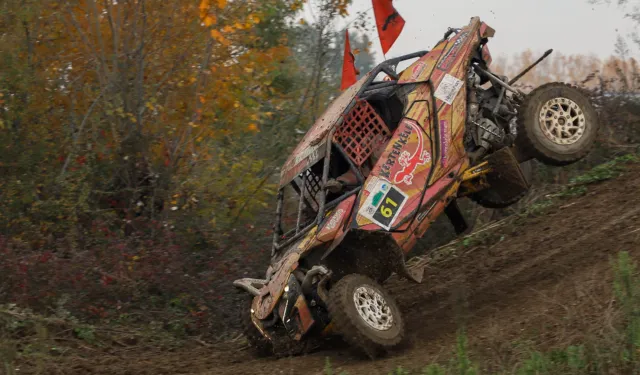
{"points": [[362, 136]]}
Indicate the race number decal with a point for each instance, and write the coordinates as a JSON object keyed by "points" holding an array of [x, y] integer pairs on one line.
{"points": [[383, 204], [448, 88]]}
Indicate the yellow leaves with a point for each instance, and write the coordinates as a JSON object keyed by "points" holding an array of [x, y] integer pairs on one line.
{"points": [[254, 18], [204, 8], [296, 5], [228, 29], [342, 8], [215, 34], [356, 51], [302, 21], [209, 20], [253, 127], [202, 99], [248, 70]]}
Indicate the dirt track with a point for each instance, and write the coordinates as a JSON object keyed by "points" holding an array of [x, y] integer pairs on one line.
{"points": [[548, 279]]}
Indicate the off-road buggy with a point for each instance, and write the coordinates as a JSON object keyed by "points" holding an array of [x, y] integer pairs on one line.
{"points": [[386, 158]]}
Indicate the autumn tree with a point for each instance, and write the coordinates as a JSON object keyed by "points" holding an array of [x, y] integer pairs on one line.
{"points": [[557, 67], [141, 141], [152, 107]]}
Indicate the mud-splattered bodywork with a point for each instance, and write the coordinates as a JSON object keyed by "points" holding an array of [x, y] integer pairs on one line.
{"points": [[415, 177]]}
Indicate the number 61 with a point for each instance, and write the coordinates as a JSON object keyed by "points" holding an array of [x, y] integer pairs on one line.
{"points": [[387, 211]]}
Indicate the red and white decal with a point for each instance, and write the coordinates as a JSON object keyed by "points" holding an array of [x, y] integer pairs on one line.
{"points": [[417, 70], [336, 218], [410, 161]]}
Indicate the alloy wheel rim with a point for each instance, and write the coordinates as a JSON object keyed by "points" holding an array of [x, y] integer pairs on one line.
{"points": [[373, 308], [562, 121]]}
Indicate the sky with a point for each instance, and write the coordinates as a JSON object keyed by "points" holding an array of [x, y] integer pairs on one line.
{"points": [[567, 26]]}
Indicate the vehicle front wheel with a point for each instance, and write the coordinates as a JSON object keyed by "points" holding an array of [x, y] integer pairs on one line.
{"points": [[365, 315], [557, 124]]}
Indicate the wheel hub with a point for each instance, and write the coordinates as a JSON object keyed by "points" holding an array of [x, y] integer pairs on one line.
{"points": [[373, 308], [562, 121]]}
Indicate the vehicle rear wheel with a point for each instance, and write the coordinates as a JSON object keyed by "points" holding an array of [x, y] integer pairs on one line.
{"points": [[557, 124], [365, 315], [491, 198]]}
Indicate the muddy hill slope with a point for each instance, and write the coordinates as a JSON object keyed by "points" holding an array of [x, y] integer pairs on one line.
{"points": [[542, 280]]}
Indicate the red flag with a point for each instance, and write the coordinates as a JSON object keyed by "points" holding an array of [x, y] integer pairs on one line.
{"points": [[388, 21], [349, 71]]}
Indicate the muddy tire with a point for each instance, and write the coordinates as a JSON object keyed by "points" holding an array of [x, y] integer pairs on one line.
{"points": [[557, 124], [281, 346], [259, 344], [365, 315], [490, 198]]}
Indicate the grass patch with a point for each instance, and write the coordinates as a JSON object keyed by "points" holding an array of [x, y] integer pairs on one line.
{"points": [[579, 185], [614, 168], [33, 343], [619, 354]]}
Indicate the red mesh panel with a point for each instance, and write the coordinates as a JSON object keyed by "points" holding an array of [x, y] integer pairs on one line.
{"points": [[361, 130]]}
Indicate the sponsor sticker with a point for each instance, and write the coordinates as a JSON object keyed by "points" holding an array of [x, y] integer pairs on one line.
{"points": [[417, 70], [451, 55], [335, 219], [445, 137], [383, 204], [448, 88], [409, 160], [310, 152]]}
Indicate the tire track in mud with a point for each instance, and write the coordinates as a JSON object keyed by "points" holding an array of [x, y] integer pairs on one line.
{"points": [[526, 283]]}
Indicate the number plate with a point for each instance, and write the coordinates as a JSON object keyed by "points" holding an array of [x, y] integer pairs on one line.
{"points": [[384, 203]]}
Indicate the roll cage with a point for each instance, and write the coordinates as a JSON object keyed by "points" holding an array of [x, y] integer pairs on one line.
{"points": [[308, 184]]}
